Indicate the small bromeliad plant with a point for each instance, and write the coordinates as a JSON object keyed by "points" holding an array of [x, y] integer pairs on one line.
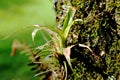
{"points": [[52, 59]]}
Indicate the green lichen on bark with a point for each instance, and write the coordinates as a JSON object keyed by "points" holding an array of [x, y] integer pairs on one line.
{"points": [[100, 30]]}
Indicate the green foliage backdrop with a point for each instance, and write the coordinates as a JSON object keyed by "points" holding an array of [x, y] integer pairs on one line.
{"points": [[15, 16]]}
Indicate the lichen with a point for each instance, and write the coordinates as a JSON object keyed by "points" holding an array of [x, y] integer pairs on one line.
{"points": [[99, 30]]}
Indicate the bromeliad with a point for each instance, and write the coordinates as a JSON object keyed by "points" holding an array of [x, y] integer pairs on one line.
{"points": [[59, 36]]}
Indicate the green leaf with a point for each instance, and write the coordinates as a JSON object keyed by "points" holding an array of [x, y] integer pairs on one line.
{"points": [[65, 24], [34, 33], [66, 31], [68, 18]]}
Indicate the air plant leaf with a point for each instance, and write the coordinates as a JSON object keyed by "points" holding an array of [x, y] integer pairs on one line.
{"points": [[66, 31], [34, 33], [4, 37], [68, 19]]}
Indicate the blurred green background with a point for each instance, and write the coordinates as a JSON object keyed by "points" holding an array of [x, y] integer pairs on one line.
{"points": [[15, 15]]}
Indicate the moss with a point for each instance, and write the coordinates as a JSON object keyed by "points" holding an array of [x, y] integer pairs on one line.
{"points": [[100, 31]]}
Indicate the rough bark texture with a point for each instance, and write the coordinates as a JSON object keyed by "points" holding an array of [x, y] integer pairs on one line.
{"points": [[100, 30]]}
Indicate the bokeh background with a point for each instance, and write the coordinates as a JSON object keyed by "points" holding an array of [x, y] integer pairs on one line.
{"points": [[15, 16]]}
